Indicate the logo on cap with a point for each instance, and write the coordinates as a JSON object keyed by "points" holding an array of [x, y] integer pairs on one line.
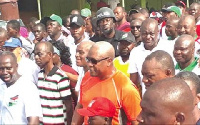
{"points": [[75, 19]]}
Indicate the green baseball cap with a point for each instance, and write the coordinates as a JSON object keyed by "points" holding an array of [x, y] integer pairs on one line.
{"points": [[174, 9], [57, 18], [86, 12]]}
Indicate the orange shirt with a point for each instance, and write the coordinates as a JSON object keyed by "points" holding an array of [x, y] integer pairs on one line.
{"points": [[118, 88]]}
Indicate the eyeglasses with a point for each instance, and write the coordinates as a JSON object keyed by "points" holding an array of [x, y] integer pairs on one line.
{"points": [[137, 27], [94, 61]]}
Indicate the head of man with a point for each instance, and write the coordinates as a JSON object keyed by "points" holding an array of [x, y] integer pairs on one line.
{"points": [[187, 25], [168, 101], [54, 26], [137, 16], [8, 68], [13, 45], [43, 53], [86, 13], [77, 27], [106, 20], [171, 29], [193, 81], [100, 111], [135, 27], [100, 59], [31, 23], [126, 44], [157, 66], [13, 28], [149, 33], [184, 50], [194, 10], [75, 12], [39, 31], [3, 37], [120, 14], [172, 11], [82, 52], [88, 25]]}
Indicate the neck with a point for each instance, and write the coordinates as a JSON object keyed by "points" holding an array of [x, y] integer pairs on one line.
{"points": [[125, 58], [184, 65], [79, 40], [15, 77], [111, 35], [85, 68], [48, 68], [174, 37], [55, 37], [196, 113], [59, 64], [121, 22], [138, 39], [108, 73], [91, 33]]}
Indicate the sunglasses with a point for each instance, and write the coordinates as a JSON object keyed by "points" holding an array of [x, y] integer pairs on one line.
{"points": [[137, 27], [94, 61]]}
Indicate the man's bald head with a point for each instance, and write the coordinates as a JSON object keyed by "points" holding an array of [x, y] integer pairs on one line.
{"points": [[186, 39], [137, 16], [86, 45], [164, 59], [47, 45], [103, 49], [167, 101], [149, 22], [3, 31], [187, 25]]}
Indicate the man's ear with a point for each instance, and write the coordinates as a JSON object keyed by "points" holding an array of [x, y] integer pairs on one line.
{"points": [[168, 72], [180, 118]]}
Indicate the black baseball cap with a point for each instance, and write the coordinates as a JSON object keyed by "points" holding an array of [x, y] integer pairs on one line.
{"points": [[76, 19]]}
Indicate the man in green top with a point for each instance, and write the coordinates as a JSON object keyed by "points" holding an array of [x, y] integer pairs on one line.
{"points": [[184, 49]]}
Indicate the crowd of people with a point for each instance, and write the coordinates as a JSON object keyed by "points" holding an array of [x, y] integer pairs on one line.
{"points": [[113, 67]]}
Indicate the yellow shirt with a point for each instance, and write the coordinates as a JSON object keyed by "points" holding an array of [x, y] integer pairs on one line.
{"points": [[120, 65]]}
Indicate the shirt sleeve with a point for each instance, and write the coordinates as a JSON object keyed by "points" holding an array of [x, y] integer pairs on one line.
{"points": [[64, 87]]}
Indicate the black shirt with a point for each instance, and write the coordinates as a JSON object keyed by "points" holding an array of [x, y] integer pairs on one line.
{"points": [[114, 41]]}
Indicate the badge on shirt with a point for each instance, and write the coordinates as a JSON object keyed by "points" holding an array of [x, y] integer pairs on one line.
{"points": [[13, 100]]}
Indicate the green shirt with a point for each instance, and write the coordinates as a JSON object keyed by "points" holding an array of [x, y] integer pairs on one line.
{"points": [[188, 68]]}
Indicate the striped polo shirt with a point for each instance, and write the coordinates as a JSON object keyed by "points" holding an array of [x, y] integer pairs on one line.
{"points": [[52, 90]]}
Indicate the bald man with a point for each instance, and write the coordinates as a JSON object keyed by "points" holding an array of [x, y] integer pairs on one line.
{"points": [[57, 92], [157, 66], [3, 37], [137, 16], [121, 22], [193, 81], [81, 53], [184, 49], [172, 28], [150, 43], [167, 103], [104, 76]]}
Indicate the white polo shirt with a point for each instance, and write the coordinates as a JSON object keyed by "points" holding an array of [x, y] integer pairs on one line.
{"points": [[19, 101], [138, 55]]}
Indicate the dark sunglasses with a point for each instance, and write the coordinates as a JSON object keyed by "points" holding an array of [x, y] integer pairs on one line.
{"points": [[94, 61], [133, 27]]}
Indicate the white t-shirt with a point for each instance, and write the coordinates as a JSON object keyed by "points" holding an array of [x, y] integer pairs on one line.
{"points": [[29, 69], [138, 55], [19, 101]]}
